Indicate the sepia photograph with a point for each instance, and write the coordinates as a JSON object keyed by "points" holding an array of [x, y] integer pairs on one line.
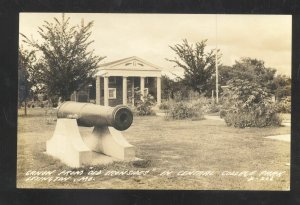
{"points": [[154, 101]]}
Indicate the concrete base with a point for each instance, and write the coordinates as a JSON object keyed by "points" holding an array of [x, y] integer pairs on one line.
{"points": [[109, 141], [103, 146]]}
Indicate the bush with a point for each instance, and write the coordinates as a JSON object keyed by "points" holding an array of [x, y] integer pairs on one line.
{"points": [[248, 104], [223, 113], [247, 119], [201, 102], [164, 105], [144, 107], [284, 106], [213, 107], [184, 110]]}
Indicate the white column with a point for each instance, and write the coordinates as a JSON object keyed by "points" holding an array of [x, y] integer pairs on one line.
{"points": [[106, 91], [98, 90], [158, 87], [132, 91], [142, 86], [124, 90]]}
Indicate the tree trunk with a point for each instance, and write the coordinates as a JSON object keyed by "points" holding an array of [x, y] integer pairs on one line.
{"points": [[25, 107]]}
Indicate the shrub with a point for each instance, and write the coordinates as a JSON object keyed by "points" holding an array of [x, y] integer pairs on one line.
{"points": [[206, 104], [184, 110], [198, 113], [164, 105], [202, 103], [284, 106], [222, 113], [248, 119], [144, 107], [213, 107], [248, 104]]}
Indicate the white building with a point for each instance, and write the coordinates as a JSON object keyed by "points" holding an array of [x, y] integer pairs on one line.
{"points": [[116, 82]]}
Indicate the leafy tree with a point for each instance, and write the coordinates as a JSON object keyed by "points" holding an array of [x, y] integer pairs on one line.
{"points": [[198, 65], [173, 88], [65, 64], [281, 86], [26, 63], [255, 71], [247, 99], [225, 74], [252, 70]]}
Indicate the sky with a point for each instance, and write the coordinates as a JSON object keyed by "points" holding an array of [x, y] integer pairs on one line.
{"points": [[148, 36]]}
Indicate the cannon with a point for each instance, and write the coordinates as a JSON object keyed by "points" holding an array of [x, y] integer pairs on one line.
{"points": [[103, 145], [91, 115]]}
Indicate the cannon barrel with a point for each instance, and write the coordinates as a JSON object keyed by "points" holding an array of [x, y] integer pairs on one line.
{"points": [[89, 115]]}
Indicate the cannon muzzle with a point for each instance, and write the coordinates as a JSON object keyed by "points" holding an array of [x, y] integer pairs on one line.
{"points": [[89, 115]]}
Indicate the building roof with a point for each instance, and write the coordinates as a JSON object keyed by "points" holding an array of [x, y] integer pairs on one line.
{"points": [[131, 66], [114, 62]]}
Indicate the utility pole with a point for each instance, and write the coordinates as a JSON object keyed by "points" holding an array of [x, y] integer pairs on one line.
{"points": [[217, 71]]}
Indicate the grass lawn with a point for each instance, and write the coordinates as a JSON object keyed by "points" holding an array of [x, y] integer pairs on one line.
{"points": [[174, 146]]}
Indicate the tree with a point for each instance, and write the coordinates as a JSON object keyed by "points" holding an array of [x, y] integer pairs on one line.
{"points": [[225, 74], [253, 70], [65, 64], [198, 65], [26, 63], [281, 86], [247, 99], [174, 88]]}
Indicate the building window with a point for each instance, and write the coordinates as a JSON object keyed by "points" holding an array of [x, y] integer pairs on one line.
{"points": [[112, 93], [112, 80]]}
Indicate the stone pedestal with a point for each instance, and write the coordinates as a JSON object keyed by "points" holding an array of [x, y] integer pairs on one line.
{"points": [[109, 141], [104, 145]]}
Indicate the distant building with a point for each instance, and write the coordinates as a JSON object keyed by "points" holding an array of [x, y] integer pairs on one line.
{"points": [[116, 81]]}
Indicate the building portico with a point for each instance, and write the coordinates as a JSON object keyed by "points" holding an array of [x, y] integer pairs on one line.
{"points": [[117, 81]]}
